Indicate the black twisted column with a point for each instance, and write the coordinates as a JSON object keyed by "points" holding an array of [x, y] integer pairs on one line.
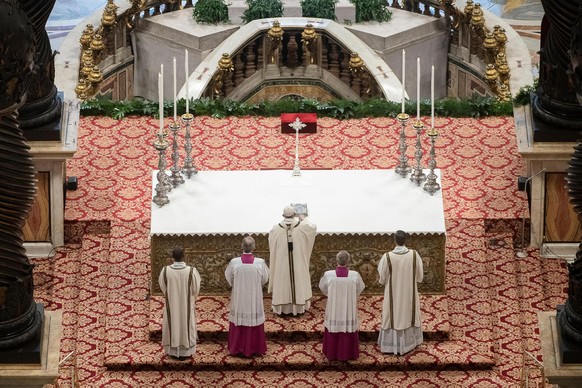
{"points": [[19, 319], [555, 100], [570, 315], [40, 114]]}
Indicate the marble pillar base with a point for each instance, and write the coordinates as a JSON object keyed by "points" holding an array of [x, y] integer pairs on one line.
{"points": [[45, 372], [556, 372]]}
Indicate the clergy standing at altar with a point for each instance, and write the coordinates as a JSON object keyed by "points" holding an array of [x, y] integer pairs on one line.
{"points": [[400, 270], [341, 324], [180, 285], [290, 245], [246, 275]]}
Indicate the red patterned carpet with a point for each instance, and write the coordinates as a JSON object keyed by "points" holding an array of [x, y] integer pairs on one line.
{"points": [[101, 278]]}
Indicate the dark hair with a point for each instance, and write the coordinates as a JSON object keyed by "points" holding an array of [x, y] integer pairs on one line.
{"points": [[178, 254], [400, 237]]}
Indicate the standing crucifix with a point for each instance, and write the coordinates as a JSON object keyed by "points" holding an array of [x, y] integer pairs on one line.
{"points": [[297, 125]]}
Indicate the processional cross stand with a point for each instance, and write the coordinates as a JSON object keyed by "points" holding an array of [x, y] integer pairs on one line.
{"points": [[297, 125]]}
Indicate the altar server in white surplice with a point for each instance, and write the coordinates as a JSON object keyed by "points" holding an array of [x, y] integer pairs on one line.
{"points": [[342, 287], [180, 285], [290, 245], [246, 275], [400, 270]]}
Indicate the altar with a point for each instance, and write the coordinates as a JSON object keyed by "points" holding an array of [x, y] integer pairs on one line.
{"points": [[356, 210]]}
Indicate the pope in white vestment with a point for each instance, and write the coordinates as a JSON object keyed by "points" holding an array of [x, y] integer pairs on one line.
{"points": [[180, 285], [400, 270], [290, 245], [247, 275], [341, 334]]}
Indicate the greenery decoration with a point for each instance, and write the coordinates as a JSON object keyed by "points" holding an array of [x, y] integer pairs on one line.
{"points": [[372, 11], [321, 9], [210, 12], [476, 106], [523, 96], [262, 9]]}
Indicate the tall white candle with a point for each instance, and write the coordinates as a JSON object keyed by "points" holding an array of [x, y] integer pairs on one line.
{"points": [[432, 96], [161, 102], [403, 77], [417, 88], [175, 107], [187, 98]]}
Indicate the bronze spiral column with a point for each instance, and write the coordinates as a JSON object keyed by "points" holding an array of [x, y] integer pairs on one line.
{"points": [[19, 319]]}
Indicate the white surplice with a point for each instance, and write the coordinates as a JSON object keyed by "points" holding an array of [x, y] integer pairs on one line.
{"points": [[341, 311], [289, 277], [246, 301], [400, 271], [180, 285]]}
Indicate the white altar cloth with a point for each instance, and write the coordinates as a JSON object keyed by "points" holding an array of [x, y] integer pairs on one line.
{"points": [[339, 201]]}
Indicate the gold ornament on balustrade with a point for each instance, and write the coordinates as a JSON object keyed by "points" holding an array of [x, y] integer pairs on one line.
{"points": [[469, 9], [109, 17], [501, 38], [87, 67], [87, 36], [87, 55], [81, 89], [225, 66], [477, 20], [502, 68], [95, 76], [309, 38], [97, 43], [490, 46], [503, 93], [274, 39]]}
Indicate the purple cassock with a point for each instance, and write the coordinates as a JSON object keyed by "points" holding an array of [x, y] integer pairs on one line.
{"points": [[341, 336], [246, 332]]}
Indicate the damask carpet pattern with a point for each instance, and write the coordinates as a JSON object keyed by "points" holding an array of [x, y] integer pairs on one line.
{"points": [[101, 278]]}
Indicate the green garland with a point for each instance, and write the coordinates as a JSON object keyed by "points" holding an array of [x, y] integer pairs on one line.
{"points": [[339, 109]]}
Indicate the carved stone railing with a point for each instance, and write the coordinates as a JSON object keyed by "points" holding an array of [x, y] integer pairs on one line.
{"points": [[107, 48]]}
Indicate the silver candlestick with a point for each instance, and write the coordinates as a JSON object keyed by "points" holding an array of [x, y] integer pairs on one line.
{"points": [[161, 197], [188, 169], [176, 178], [431, 186], [417, 175], [297, 125], [403, 168]]}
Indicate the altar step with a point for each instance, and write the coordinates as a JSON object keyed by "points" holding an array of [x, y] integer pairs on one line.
{"points": [[212, 319], [302, 355]]}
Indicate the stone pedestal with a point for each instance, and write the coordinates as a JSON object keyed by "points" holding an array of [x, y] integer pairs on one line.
{"points": [[45, 372], [556, 372]]}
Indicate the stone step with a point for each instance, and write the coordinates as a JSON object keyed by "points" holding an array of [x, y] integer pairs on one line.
{"points": [[212, 319], [304, 355]]}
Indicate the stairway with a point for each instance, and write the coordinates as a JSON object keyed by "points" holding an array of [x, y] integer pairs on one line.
{"points": [[294, 343]]}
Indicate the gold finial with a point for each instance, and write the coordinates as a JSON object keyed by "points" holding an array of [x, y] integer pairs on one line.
{"points": [[95, 75], [491, 73], [109, 14], [477, 20], [87, 55], [356, 64], [87, 67], [275, 36], [225, 63], [502, 68], [308, 38], [501, 38], [489, 42], [81, 89], [503, 94], [469, 8], [97, 43], [87, 36]]}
